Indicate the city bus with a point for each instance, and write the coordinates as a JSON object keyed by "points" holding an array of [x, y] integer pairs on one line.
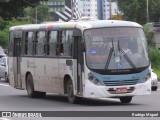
{"points": [[80, 59]]}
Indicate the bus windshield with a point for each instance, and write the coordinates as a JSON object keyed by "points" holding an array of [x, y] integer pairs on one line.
{"points": [[116, 48]]}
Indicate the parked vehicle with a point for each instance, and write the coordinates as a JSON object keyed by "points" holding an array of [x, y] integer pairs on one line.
{"points": [[4, 68], [154, 81], [2, 53]]}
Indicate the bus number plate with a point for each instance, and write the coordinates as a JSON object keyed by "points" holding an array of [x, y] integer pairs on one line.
{"points": [[121, 90]]}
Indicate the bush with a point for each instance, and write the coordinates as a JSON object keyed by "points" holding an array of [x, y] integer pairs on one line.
{"points": [[154, 57]]}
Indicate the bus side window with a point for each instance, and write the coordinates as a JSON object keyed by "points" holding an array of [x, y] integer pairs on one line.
{"points": [[53, 36], [67, 39], [26, 44], [29, 43], [40, 42]]}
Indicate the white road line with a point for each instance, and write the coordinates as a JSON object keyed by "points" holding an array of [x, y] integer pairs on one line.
{"points": [[4, 85], [4, 119]]}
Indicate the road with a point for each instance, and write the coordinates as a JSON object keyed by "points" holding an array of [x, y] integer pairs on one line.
{"points": [[17, 100]]}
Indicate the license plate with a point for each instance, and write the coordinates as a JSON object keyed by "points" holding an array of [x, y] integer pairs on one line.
{"points": [[121, 90]]}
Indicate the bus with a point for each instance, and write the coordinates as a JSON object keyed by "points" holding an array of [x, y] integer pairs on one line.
{"points": [[80, 59]]}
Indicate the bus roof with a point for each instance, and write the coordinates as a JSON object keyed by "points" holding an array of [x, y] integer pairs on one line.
{"points": [[82, 25]]}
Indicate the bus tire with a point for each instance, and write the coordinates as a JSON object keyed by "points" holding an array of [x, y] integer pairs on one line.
{"points": [[154, 88], [6, 78], [126, 99], [70, 93], [30, 89]]}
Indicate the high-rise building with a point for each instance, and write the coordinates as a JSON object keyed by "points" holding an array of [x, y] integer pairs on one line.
{"points": [[88, 8], [62, 9], [73, 9], [101, 9]]}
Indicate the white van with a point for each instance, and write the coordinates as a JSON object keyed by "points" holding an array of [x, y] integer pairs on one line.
{"points": [[3, 65], [4, 68]]}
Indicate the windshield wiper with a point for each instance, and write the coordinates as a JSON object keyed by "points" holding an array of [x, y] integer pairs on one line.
{"points": [[127, 58], [109, 56]]}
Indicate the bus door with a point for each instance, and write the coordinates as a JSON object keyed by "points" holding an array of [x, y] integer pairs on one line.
{"points": [[16, 62], [80, 64]]}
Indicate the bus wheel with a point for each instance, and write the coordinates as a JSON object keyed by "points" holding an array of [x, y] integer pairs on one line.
{"points": [[70, 92], [6, 78], [154, 88], [125, 99], [30, 87]]}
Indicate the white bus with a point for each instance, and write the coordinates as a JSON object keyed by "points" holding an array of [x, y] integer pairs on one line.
{"points": [[80, 59]]}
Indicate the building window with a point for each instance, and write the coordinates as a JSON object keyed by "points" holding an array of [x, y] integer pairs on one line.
{"points": [[41, 40]]}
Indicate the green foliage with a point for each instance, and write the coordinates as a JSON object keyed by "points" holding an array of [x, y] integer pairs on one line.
{"points": [[42, 13], [2, 23], [5, 32], [157, 71], [148, 34], [154, 57], [136, 10], [14, 8]]}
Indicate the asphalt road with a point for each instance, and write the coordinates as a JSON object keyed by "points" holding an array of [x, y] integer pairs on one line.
{"points": [[12, 99]]}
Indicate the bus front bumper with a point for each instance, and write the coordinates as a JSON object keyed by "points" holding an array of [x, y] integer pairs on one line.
{"points": [[94, 91]]}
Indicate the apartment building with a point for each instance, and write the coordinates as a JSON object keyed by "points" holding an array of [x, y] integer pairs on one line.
{"points": [[74, 9], [101, 9], [62, 9]]}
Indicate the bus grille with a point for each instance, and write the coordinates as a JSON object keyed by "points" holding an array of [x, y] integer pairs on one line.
{"points": [[120, 82]]}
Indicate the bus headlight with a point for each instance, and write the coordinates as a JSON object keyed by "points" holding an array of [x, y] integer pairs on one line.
{"points": [[94, 80], [147, 77]]}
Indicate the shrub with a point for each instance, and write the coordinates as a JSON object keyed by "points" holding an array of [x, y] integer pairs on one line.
{"points": [[154, 57]]}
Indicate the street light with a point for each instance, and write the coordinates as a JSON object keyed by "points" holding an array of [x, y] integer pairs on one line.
{"points": [[33, 6]]}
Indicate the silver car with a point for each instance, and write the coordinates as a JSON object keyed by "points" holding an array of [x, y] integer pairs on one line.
{"points": [[4, 68], [154, 81]]}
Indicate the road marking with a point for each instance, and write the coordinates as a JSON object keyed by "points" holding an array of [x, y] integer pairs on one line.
{"points": [[4, 119], [4, 85]]}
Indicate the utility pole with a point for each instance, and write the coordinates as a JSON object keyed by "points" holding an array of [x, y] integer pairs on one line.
{"points": [[72, 6], [110, 10], [147, 11], [36, 15]]}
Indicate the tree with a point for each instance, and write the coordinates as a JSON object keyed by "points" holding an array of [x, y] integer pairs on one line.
{"points": [[2, 23], [4, 34], [14, 8], [136, 10], [42, 13]]}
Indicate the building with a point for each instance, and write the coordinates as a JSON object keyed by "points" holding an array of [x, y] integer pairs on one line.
{"points": [[62, 9], [101, 9], [88, 8]]}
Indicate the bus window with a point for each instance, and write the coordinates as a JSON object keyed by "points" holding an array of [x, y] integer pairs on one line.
{"points": [[40, 42], [53, 35], [67, 39], [29, 40]]}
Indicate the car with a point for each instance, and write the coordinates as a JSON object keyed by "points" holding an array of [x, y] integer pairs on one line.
{"points": [[154, 81], [4, 68]]}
